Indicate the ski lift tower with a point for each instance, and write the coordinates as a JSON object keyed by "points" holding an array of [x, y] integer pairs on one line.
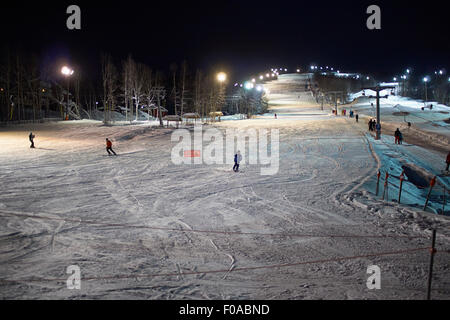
{"points": [[336, 93], [378, 89]]}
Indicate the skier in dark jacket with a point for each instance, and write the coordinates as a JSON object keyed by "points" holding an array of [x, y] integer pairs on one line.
{"points": [[237, 160], [357, 117], [397, 136], [31, 137], [448, 161], [109, 147]]}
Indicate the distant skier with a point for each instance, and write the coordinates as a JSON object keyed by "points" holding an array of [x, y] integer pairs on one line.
{"points": [[275, 116], [357, 117], [371, 123], [397, 136], [109, 147], [237, 160], [400, 138], [448, 161], [31, 137]]}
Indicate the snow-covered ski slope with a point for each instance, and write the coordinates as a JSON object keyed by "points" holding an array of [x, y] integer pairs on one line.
{"points": [[140, 227], [432, 124]]}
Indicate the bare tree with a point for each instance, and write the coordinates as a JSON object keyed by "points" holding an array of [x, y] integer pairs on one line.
{"points": [[110, 85], [160, 95], [174, 93], [198, 92], [127, 67], [136, 84], [149, 92], [183, 86]]}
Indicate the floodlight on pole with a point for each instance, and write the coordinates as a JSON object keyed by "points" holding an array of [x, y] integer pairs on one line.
{"points": [[425, 80], [67, 72]]}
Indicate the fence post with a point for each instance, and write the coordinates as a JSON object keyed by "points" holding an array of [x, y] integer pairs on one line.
{"points": [[430, 270], [402, 177], [378, 181], [385, 184], [432, 183]]}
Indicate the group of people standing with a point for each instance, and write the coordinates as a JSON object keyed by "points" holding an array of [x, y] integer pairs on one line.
{"points": [[372, 125]]}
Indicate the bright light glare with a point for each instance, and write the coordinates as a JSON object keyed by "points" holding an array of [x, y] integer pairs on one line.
{"points": [[248, 85], [259, 88], [66, 71]]}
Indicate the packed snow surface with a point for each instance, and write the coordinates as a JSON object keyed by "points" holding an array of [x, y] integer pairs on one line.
{"points": [[140, 227]]}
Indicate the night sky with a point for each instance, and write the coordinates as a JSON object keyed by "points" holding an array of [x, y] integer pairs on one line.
{"points": [[241, 37]]}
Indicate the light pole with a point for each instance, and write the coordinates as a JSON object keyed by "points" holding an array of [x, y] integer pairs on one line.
{"points": [[221, 77], [425, 80], [67, 72]]}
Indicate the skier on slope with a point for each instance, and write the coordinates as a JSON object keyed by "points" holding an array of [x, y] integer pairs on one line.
{"points": [[237, 160], [397, 136], [31, 137], [109, 147], [357, 117]]}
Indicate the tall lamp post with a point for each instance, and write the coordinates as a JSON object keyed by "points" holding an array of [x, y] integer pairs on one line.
{"points": [[67, 72], [221, 77]]}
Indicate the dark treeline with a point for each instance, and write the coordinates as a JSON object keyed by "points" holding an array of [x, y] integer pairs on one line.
{"points": [[32, 90]]}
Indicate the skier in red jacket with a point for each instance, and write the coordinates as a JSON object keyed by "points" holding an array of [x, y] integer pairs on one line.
{"points": [[109, 147]]}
